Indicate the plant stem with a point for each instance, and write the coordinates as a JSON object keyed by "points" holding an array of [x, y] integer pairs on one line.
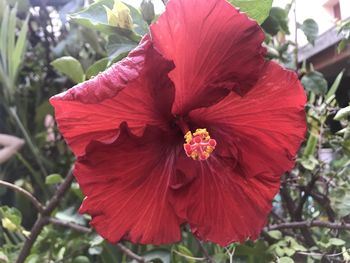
{"points": [[32, 147], [308, 224], [205, 252], [131, 254], [18, 189], [43, 220], [35, 175]]}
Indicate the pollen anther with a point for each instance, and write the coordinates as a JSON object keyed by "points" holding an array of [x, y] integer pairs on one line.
{"points": [[199, 145]]}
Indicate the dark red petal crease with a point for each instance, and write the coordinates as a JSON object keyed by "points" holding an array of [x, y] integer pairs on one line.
{"points": [[258, 136], [126, 187], [135, 90], [214, 47]]}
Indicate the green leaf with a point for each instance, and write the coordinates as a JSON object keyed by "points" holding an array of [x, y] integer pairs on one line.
{"points": [[335, 85], [11, 218], [342, 45], [255, 9], [276, 21], [3, 38], [11, 35], [286, 260], [53, 179], [309, 163], [33, 258], [96, 68], [20, 47], [310, 29], [184, 251], [81, 259], [70, 214], [342, 114], [76, 190], [275, 234], [340, 199], [70, 67], [97, 250], [337, 242], [95, 17], [119, 45], [311, 145], [315, 82]]}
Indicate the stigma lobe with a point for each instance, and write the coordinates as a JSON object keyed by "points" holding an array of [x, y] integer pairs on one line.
{"points": [[199, 145]]}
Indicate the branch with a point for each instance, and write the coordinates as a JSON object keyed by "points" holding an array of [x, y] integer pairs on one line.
{"points": [[76, 227], [34, 233], [31, 198], [43, 220], [165, 2], [307, 192], [131, 254], [299, 210], [324, 202], [307, 224], [83, 229], [205, 252], [62, 189]]}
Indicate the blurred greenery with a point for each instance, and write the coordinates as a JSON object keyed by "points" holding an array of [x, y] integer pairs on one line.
{"points": [[48, 46]]}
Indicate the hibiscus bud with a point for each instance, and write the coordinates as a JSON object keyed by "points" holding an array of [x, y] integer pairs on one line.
{"points": [[119, 16], [147, 10]]}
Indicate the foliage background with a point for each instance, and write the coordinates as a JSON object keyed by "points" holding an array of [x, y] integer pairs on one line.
{"points": [[48, 46]]}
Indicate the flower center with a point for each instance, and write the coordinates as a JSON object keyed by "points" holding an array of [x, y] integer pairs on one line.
{"points": [[199, 145]]}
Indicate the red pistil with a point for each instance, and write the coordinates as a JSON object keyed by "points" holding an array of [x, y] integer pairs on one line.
{"points": [[199, 145]]}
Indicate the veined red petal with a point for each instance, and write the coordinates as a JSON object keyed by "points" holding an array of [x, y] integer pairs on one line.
{"points": [[214, 47], [222, 205], [126, 187], [264, 128], [135, 90], [257, 136]]}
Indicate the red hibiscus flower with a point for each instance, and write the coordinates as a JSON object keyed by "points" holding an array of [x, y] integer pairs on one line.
{"points": [[200, 73]]}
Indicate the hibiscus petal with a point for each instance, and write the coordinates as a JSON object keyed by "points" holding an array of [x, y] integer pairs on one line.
{"points": [[214, 47], [257, 136], [264, 128], [136, 90], [222, 205], [126, 187]]}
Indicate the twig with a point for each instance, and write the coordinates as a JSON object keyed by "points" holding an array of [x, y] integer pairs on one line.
{"points": [[76, 227], [324, 202], [205, 252], [83, 229], [165, 2], [18, 189], [307, 192], [323, 255], [62, 189], [43, 219], [189, 257], [131, 254], [299, 209], [307, 224]]}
